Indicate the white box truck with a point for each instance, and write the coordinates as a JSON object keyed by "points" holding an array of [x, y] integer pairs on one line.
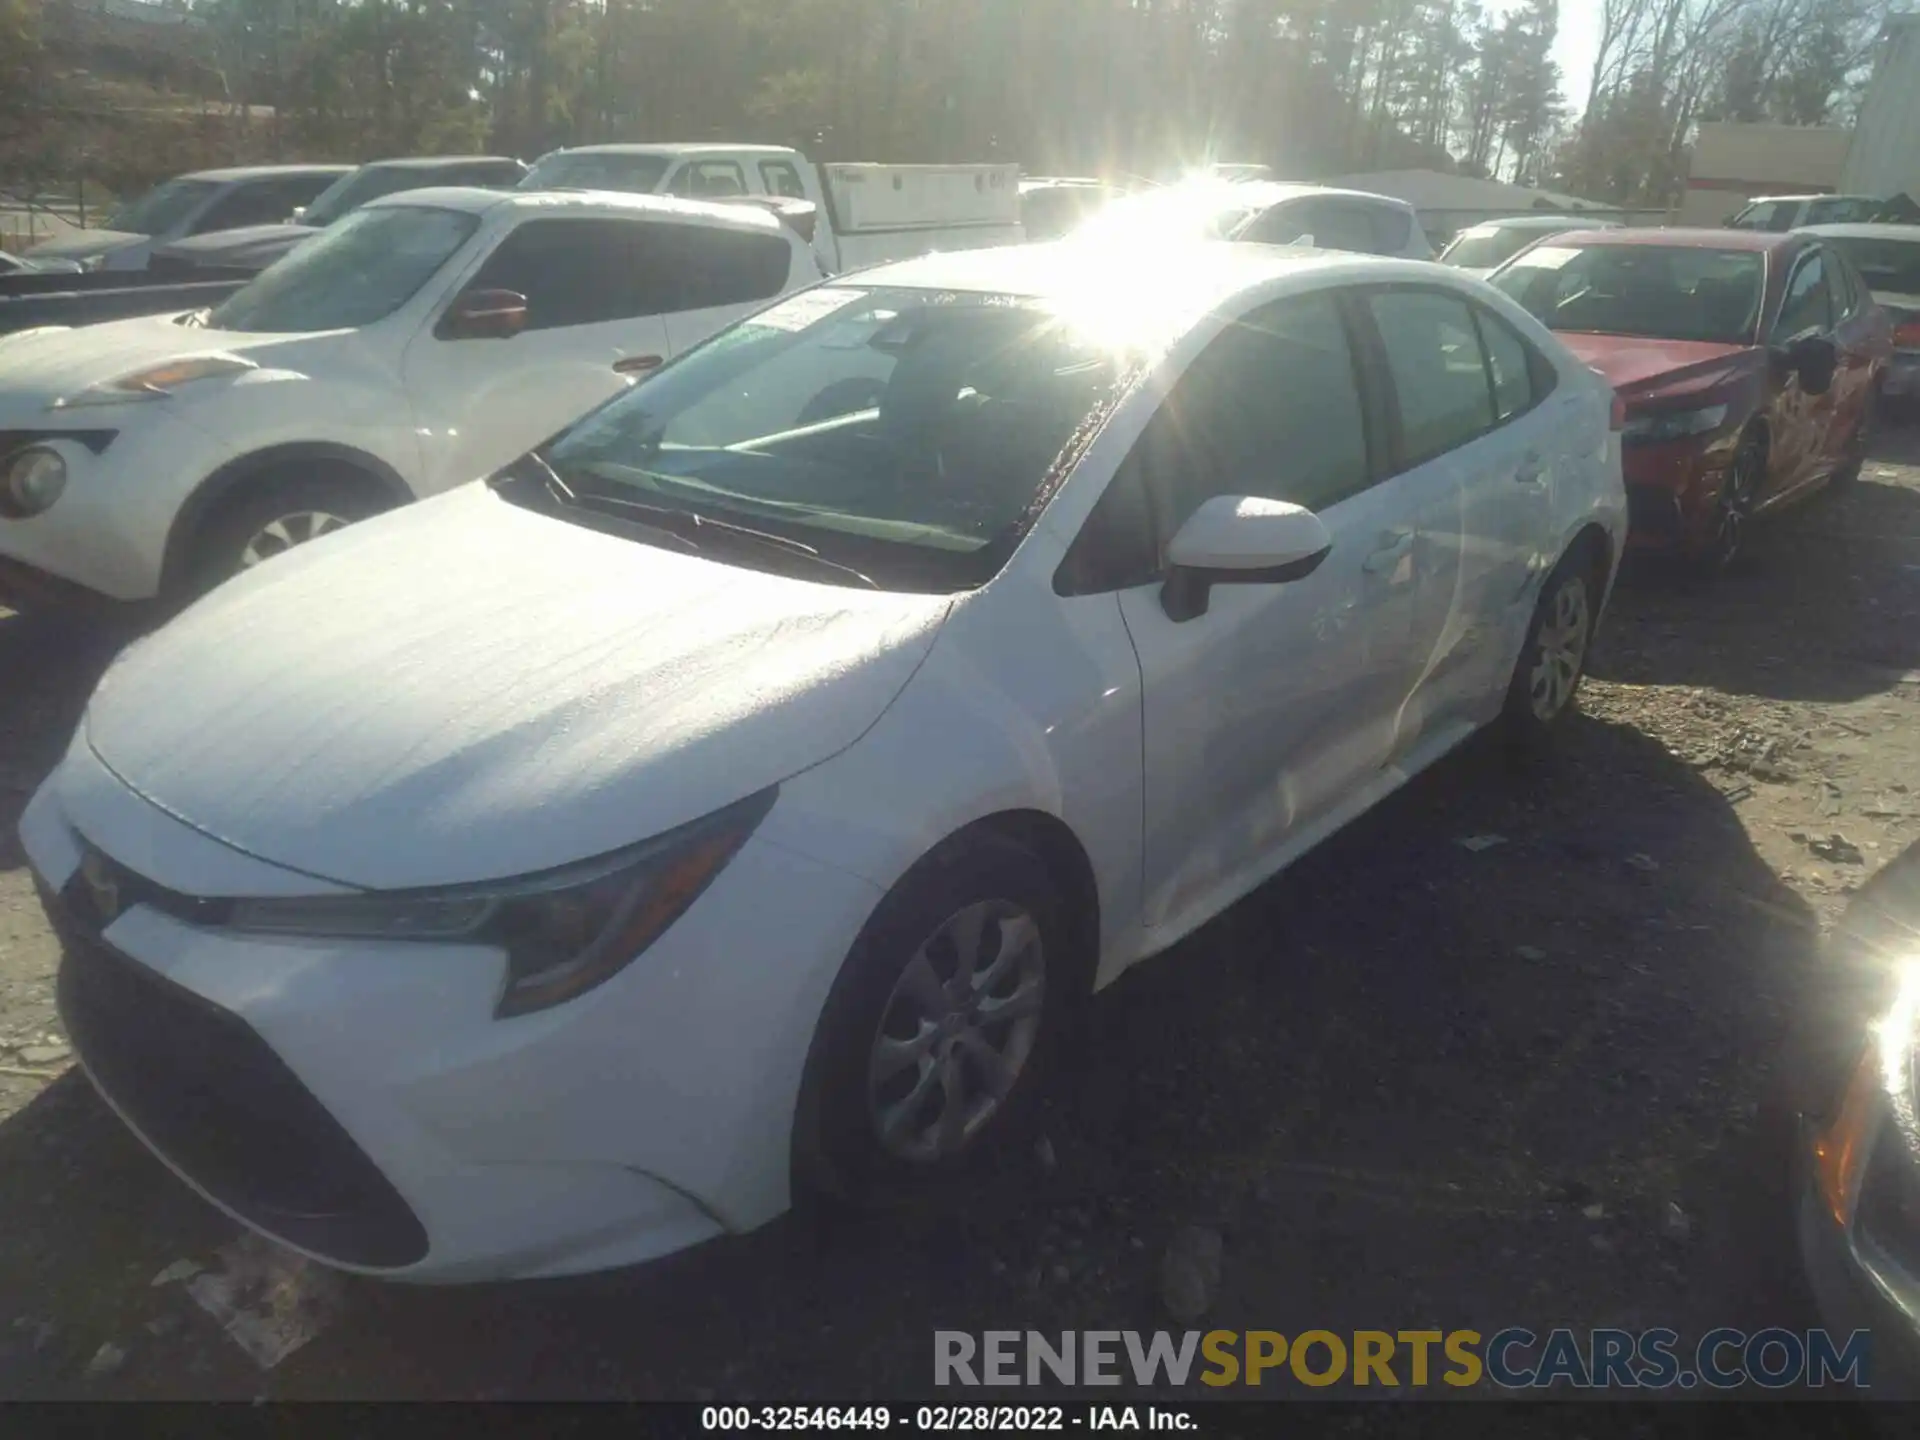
{"points": [[859, 214]]}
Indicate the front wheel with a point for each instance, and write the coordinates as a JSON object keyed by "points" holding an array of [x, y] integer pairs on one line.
{"points": [[1733, 508], [926, 1054], [269, 518], [1553, 661]]}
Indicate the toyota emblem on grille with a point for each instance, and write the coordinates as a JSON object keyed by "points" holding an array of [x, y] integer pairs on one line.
{"points": [[102, 886]]}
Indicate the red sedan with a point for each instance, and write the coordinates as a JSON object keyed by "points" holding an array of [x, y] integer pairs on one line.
{"points": [[1746, 363]]}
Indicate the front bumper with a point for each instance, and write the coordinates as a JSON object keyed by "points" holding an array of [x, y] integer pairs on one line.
{"points": [[107, 534], [360, 1103], [1672, 487], [1857, 1285]]}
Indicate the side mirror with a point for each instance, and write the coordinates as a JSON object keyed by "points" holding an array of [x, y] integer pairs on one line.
{"points": [[1240, 540], [484, 315], [1814, 358]]}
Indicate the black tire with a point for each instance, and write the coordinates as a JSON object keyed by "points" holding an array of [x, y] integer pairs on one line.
{"points": [[839, 1152], [1733, 509], [1545, 687], [232, 538]]}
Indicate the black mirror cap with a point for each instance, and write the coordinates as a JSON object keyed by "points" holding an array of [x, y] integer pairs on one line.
{"points": [[1186, 592]]}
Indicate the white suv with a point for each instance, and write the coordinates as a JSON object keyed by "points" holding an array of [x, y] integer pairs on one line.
{"points": [[422, 341]]}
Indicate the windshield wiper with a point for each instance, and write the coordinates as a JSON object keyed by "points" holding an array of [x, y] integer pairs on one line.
{"points": [[611, 502]]}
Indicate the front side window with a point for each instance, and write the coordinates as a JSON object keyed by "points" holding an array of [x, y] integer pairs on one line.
{"points": [[1663, 292], [1806, 305], [162, 208], [709, 180], [1439, 377], [572, 272], [352, 274], [597, 170], [904, 436]]}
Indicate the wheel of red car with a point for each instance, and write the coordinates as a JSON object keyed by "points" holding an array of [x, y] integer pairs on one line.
{"points": [[1733, 507]]}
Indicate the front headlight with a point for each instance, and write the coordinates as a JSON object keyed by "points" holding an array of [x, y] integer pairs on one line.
{"points": [[1674, 424], [156, 382], [564, 932], [30, 481]]}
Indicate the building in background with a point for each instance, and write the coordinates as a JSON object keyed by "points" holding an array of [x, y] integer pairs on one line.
{"points": [[1884, 158], [1734, 163]]}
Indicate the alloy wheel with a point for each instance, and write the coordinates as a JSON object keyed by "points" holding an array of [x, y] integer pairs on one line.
{"points": [[277, 537], [1735, 504], [1560, 649], [957, 1031]]}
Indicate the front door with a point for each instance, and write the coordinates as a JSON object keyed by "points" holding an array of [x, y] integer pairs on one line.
{"points": [[591, 329], [1264, 713], [1797, 440]]}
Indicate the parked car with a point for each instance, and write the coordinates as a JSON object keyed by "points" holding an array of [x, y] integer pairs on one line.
{"points": [[254, 247], [195, 204], [1887, 259], [862, 214], [1858, 1157], [16, 265], [1747, 363], [1484, 248], [422, 341], [1780, 213], [1052, 206], [1262, 212], [741, 788]]}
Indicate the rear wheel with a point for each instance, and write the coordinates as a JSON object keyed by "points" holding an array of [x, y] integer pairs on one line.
{"points": [[1546, 679], [268, 518]]}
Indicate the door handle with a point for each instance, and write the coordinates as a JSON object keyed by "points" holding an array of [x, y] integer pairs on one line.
{"points": [[638, 364], [1532, 467], [1399, 547]]}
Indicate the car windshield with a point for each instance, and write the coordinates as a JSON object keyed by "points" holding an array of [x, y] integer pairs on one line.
{"points": [[902, 437], [1664, 292], [358, 271], [161, 208], [1486, 246], [597, 170], [1890, 267], [351, 191]]}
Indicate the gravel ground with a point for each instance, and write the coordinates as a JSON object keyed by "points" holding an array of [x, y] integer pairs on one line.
{"points": [[1409, 1084]]}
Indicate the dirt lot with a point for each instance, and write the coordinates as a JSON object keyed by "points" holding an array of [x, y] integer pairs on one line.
{"points": [[1411, 1083]]}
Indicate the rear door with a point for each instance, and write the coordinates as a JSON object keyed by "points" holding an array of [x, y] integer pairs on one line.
{"points": [[1472, 493], [594, 323]]}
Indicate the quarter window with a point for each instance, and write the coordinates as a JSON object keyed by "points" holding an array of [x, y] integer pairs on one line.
{"points": [[1439, 378], [1807, 305]]}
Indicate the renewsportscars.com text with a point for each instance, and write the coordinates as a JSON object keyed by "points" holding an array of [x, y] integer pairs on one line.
{"points": [[1514, 1358]]}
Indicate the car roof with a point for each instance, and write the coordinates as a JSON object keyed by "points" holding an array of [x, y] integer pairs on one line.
{"points": [[1796, 199], [1542, 222], [1684, 237], [1910, 233], [690, 150], [434, 162], [475, 201], [266, 172], [1272, 192]]}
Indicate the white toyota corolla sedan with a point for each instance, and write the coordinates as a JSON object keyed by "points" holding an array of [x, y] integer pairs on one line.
{"points": [[732, 795]]}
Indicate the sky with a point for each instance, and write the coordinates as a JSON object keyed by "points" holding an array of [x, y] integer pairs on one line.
{"points": [[1573, 48]]}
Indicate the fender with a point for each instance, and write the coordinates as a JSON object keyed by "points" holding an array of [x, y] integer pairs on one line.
{"points": [[235, 473]]}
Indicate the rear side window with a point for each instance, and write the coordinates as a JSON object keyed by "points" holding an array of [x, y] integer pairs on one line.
{"points": [[1440, 379], [696, 267], [780, 178], [1392, 228]]}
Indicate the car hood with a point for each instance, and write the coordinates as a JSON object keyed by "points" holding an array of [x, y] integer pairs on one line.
{"points": [[79, 244], [41, 368], [223, 245], [1637, 367], [467, 690]]}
